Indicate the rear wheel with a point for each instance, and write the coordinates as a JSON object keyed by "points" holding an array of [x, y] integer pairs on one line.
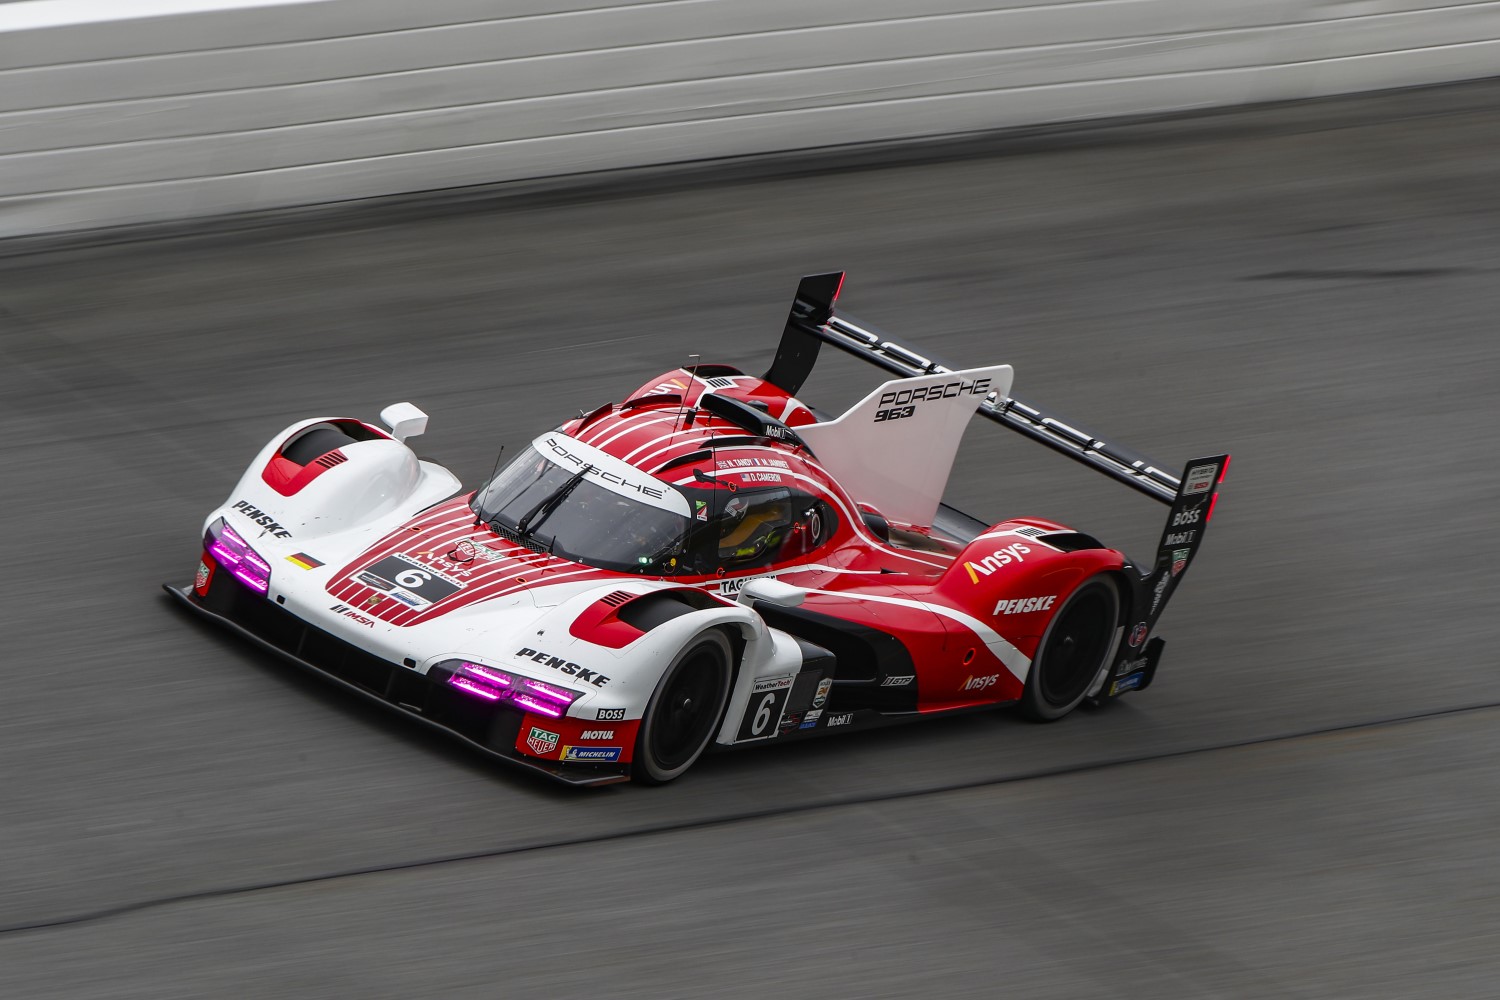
{"points": [[684, 711], [1074, 649]]}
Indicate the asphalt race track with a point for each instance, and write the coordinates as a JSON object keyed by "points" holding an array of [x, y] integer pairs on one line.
{"points": [[1304, 804]]}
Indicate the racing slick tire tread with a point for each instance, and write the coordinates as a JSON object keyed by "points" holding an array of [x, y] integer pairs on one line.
{"points": [[1073, 650], [685, 709]]}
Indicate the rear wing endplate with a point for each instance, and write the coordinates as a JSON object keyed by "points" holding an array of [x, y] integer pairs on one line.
{"points": [[812, 323]]}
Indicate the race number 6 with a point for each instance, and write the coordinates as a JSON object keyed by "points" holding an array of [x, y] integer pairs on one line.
{"points": [[763, 713], [413, 578]]}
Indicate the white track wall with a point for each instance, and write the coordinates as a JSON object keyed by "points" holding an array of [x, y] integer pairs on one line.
{"points": [[122, 111]]}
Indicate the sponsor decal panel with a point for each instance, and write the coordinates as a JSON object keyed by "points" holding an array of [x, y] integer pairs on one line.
{"points": [[980, 683], [791, 721], [419, 585], [594, 755], [762, 719], [304, 560], [842, 719], [1024, 605], [821, 696], [1130, 666], [610, 715], [541, 741], [597, 734], [1125, 684], [1200, 479], [1138, 634], [897, 682], [997, 561], [563, 666], [1180, 560], [1180, 537], [201, 579], [810, 719], [260, 517]]}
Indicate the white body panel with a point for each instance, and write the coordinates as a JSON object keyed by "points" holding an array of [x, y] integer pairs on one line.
{"points": [[340, 514], [895, 448]]}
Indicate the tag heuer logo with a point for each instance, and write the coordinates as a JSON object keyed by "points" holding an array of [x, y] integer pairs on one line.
{"points": [[1180, 560], [541, 741]]}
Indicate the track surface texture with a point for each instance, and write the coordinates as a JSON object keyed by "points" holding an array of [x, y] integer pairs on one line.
{"points": [[1313, 288]]}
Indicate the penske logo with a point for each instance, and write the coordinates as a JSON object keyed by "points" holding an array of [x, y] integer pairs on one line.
{"points": [[1024, 605], [997, 561]]}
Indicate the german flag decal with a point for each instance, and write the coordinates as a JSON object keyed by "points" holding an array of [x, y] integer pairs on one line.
{"points": [[304, 560]]}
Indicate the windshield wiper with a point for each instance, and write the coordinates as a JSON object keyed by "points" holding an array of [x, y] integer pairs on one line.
{"points": [[549, 503]]}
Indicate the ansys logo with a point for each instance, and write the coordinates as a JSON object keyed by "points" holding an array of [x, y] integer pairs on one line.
{"points": [[997, 560]]}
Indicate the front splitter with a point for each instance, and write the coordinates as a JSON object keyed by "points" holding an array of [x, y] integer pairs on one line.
{"points": [[555, 771]]}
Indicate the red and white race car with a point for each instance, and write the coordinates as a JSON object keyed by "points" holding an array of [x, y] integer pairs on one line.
{"points": [[707, 564]]}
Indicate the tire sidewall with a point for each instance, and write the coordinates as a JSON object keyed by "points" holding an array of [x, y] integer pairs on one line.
{"points": [[1033, 703], [644, 768]]}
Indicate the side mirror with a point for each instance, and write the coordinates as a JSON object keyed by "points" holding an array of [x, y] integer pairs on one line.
{"points": [[782, 595], [404, 420]]}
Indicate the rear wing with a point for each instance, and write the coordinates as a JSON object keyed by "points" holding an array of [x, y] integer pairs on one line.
{"points": [[812, 323]]}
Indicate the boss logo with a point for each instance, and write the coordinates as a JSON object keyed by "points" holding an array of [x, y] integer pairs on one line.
{"points": [[610, 715]]}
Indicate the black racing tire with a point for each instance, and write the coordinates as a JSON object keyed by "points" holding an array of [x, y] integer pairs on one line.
{"points": [[1073, 650], [685, 710]]}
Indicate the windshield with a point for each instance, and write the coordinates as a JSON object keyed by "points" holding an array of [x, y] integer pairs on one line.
{"points": [[561, 510]]}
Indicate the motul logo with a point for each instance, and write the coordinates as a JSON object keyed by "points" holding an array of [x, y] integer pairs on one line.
{"points": [[997, 560], [597, 734]]}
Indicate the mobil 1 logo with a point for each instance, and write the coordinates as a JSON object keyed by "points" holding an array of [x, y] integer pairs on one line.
{"points": [[763, 711]]}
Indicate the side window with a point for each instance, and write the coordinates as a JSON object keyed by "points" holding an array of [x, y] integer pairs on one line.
{"points": [[753, 526], [770, 526]]}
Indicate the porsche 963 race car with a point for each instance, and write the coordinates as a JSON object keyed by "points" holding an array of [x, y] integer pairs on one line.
{"points": [[707, 564]]}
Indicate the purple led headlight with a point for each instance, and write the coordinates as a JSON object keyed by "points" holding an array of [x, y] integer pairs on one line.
{"points": [[479, 680], [235, 554]]}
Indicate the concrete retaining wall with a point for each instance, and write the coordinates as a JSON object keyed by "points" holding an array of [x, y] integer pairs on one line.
{"points": [[196, 107]]}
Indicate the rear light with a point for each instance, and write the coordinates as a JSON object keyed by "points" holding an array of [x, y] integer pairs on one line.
{"points": [[234, 554], [480, 680]]}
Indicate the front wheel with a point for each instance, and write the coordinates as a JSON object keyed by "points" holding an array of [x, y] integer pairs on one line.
{"points": [[1073, 650], [684, 711]]}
